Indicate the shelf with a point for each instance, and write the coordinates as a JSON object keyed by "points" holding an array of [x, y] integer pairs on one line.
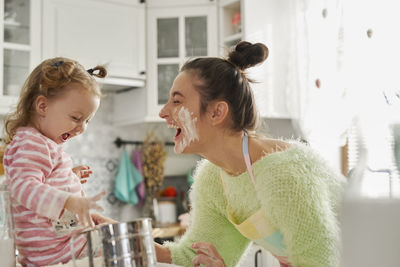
{"points": [[228, 3], [233, 37], [14, 46], [115, 84], [229, 11], [13, 23]]}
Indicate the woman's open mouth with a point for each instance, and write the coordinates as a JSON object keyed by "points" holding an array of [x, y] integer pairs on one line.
{"points": [[178, 132]]}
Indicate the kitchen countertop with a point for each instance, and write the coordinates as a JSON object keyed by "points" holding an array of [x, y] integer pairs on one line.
{"points": [[168, 230], [98, 262]]}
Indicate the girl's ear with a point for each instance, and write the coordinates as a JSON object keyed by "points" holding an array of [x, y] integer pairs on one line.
{"points": [[218, 112], [41, 105]]}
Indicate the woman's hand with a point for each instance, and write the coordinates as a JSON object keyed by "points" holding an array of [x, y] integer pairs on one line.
{"points": [[81, 207], [207, 255], [82, 172], [100, 219]]}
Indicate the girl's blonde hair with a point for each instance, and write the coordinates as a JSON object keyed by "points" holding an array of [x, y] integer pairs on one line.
{"points": [[49, 79]]}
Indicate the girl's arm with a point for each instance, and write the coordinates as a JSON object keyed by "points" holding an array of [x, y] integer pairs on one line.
{"points": [[27, 166]]}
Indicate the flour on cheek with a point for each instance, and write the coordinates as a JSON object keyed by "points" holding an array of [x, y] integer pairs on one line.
{"points": [[189, 130]]}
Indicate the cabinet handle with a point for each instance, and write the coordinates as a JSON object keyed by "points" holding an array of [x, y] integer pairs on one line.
{"points": [[256, 258], [369, 33], [142, 72]]}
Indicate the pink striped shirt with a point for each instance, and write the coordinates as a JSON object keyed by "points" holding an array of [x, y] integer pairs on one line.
{"points": [[40, 179]]}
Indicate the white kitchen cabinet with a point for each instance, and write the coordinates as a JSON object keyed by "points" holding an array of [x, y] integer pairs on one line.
{"points": [[262, 21], [175, 32], [256, 256], [20, 47], [95, 32]]}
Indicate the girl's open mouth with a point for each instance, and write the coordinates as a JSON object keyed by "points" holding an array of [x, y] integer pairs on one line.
{"points": [[65, 136]]}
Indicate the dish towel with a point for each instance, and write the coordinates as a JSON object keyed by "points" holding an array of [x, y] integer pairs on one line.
{"points": [[189, 177], [126, 181], [141, 187]]}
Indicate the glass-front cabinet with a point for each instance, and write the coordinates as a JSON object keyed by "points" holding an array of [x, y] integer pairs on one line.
{"points": [[20, 48], [169, 52], [175, 34]]}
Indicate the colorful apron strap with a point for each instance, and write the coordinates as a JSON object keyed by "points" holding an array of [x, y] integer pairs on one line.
{"points": [[245, 150]]}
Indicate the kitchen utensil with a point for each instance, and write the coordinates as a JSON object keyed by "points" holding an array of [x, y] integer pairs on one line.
{"points": [[125, 244], [167, 210]]}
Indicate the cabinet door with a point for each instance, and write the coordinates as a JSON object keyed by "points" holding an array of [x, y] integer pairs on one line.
{"points": [[96, 32], [174, 35], [20, 48], [257, 256]]}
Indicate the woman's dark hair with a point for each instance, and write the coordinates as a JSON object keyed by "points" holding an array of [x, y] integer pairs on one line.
{"points": [[225, 79]]}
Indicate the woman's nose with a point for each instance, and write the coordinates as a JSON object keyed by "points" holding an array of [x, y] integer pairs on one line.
{"points": [[163, 112]]}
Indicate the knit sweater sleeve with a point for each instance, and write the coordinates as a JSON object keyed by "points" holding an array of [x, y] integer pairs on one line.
{"points": [[300, 198], [27, 163], [208, 221]]}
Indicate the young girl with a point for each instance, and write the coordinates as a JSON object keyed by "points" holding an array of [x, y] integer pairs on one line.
{"points": [[280, 195], [57, 101]]}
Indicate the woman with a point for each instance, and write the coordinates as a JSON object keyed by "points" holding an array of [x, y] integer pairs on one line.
{"points": [[280, 195]]}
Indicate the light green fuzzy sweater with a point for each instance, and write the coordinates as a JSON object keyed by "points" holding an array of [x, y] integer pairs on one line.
{"points": [[296, 189]]}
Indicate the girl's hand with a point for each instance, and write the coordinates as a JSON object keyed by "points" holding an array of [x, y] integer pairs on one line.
{"points": [[81, 207], [82, 172], [207, 255], [100, 219]]}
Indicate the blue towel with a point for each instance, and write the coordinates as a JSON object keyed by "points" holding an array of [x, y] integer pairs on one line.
{"points": [[126, 181]]}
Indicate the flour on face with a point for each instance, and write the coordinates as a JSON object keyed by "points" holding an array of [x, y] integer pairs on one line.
{"points": [[188, 124]]}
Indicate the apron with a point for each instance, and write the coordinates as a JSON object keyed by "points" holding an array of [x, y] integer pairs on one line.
{"points": [[257, 227]]}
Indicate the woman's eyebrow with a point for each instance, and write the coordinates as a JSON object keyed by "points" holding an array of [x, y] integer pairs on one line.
{"points": [[177, 93]]}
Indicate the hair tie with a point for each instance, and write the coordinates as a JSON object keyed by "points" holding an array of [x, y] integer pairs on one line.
{"points": [[58, 63], [230, 62], [90, 71]]}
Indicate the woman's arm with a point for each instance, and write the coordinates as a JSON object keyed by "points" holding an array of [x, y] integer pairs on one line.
{"points": [[208, 222], [163, 253]]}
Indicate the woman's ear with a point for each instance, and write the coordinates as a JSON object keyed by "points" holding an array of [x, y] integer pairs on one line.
{"points": [[218, 112], [41, 105]]}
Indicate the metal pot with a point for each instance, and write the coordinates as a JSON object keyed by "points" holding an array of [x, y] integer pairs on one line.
{"points": [[126, 244]]}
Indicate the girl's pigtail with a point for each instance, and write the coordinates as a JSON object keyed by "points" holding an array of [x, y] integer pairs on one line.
{"points": [[101, 71]]}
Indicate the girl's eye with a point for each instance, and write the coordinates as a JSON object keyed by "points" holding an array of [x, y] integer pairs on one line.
{"points": [[75, 118]]}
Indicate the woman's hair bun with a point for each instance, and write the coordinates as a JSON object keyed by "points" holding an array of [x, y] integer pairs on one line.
{"points": [[246, 55]]}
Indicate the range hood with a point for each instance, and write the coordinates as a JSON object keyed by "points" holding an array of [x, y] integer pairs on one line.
{"points": [[118, 84]]}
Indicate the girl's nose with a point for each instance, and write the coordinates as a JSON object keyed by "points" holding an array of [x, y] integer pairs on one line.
{"points": [[80, 128]]}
